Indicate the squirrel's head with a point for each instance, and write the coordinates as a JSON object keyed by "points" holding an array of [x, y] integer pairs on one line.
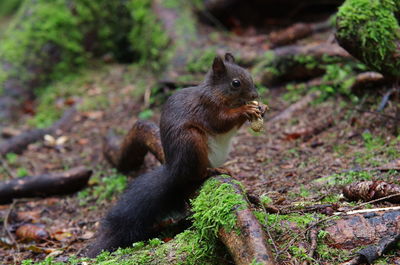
{"points": [[233, 83]]}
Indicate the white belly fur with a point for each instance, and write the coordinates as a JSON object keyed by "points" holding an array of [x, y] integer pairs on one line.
{"points": [[219, 147]]}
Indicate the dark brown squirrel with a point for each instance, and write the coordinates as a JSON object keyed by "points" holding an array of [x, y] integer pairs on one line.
{"points": [[196, 126]]}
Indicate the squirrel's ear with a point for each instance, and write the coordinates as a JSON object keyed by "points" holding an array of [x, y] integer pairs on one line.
{"points": [[229, 57], [218, 66]]}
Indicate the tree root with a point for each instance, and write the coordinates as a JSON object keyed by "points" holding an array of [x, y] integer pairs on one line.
{"points": [[18, 144], [44, 185]]}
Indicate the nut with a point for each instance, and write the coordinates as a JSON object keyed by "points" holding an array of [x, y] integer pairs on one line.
{"points": [[257, 125]]}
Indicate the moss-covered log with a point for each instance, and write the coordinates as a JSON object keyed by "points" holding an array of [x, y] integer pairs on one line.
{"points": [[220, 211], [48, 39], [370, 31]]}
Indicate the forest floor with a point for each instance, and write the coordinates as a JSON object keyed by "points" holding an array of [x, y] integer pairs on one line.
{"points": [[302, 158], [285, 162]]}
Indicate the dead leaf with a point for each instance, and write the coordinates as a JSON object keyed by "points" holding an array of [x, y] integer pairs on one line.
{"points": [[29, 216], [32, 232], [62, 236], [287, 166], [94, 115], [51, 141], [54, 253], [83, 141], [87, 235]]}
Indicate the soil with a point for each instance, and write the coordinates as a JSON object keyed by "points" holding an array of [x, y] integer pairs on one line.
{"points": [[281, 162]]}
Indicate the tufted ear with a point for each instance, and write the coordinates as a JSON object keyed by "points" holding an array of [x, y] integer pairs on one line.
{"points": [[229, 57], [218, 66]]}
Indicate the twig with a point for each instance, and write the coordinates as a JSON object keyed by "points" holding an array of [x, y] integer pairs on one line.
{"points": [[397, 100], [313, 239], [371, 210], [269, 234], [376, 200], [385, 100], [10, 235], [5, 166]]}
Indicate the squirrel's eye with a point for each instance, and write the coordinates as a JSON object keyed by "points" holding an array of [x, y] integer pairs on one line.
{"points": [[236, 83]]}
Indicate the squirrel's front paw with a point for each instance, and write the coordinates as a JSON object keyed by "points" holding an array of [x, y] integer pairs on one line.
{"points": [[251, 112]]}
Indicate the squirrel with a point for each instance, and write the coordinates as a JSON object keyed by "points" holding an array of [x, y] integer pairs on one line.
{"points": [[196, 128]]}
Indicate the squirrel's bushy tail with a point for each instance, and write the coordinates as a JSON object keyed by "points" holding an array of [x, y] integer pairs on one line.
{"points": [[148, 198]]}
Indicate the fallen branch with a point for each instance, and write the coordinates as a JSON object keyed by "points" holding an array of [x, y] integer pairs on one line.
{"points": [[296, 32], [370, 79], [363, 228], [144, 136], [299, 105], [247, 243], [371, 190], [306, 134], [44, 185], [293, 62], [18, 144], [313, 240]]}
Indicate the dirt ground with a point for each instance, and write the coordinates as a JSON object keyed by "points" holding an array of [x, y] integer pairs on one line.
{"points": [[282, 161]]}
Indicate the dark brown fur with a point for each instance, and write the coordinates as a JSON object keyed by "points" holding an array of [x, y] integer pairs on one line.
{"points": [[188, 118]]}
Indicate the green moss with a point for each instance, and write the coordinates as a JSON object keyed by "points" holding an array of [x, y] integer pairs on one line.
{"points": [[56, 37], [338, 78], [108, 186], [376, 150], [346, 178], [374, 29], [332, 255], [200, 61], [148, 38], [213, 210], [50, 107]]}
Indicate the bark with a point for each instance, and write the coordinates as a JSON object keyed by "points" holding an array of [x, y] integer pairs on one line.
{"points": [[363, 229], [18, 144], [44, 185], [246, 243]]}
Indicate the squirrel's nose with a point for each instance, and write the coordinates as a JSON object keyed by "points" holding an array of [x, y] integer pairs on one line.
{"points": [[254, 95]]}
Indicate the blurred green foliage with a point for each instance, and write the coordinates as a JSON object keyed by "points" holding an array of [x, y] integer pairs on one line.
{"points": [[7, 7]]}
